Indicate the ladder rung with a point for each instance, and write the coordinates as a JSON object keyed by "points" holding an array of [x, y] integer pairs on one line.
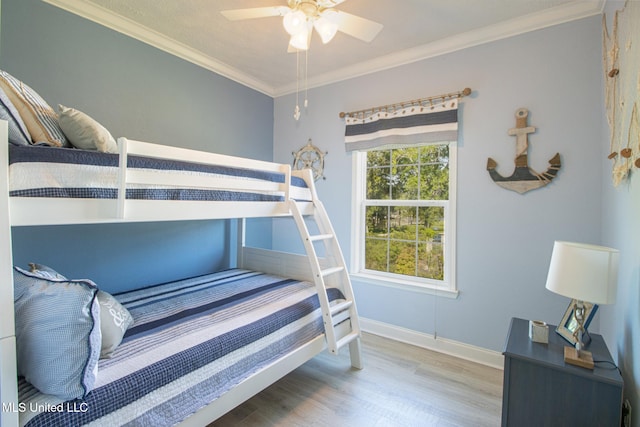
{"points": [[321, 237], [340, 317], [334, 309], [331, 270], [346, 339]]}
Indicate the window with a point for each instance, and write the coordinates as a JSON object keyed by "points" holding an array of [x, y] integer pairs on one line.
{"points": [[404, 215]]}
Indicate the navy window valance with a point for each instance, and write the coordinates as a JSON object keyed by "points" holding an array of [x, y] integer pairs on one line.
{"points": [[417, 124]]}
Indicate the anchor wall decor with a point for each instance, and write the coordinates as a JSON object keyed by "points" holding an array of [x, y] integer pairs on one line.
{"points": [[523, 178]]}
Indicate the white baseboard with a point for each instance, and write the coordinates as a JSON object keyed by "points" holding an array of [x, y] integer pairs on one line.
{"points": [[480, 355]]}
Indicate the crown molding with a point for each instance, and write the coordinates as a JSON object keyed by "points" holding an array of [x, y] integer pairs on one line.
{"points": [[571, 11], [575, 10], [133, 29]]}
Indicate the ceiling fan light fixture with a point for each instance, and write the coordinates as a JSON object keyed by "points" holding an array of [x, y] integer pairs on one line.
{"points": [[295, 22], [326, 26], [301, 40]]}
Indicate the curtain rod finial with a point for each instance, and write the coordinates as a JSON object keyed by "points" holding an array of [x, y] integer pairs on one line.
{"points": [[466, 91]]}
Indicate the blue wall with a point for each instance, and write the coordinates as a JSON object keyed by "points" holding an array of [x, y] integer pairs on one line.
{"points": [[504, 239], [140, 92]]}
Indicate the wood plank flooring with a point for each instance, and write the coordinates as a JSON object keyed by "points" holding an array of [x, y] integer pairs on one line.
{"points": [[401, 385]]}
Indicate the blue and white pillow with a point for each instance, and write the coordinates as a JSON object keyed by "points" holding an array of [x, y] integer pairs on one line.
{"points": [[58, 334], [115, 319], [18, 133]]}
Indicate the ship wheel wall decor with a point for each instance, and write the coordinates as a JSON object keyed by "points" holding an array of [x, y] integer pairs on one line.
{"points": [[523, 178], [310, 157]]}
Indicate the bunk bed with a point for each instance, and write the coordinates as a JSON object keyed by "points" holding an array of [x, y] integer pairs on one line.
{"points": [[306, 300]]}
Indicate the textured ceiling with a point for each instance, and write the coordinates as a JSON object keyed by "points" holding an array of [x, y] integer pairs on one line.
{"points": [[254, 52]]}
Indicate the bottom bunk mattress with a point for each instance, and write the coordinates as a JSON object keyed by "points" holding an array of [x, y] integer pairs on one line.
{"points": [[191, 341]]}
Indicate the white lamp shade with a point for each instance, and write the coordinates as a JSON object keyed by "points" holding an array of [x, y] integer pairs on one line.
{"points": [[584, 272]]}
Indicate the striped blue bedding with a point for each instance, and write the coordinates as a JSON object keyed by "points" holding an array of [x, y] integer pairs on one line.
{"points": [[40, 171], [191, 341]]}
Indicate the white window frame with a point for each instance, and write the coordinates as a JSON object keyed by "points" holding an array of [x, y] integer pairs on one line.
{"points": [[446, 287]]}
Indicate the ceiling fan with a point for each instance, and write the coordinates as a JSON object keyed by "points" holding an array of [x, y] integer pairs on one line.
{"points": [[300, 17]]}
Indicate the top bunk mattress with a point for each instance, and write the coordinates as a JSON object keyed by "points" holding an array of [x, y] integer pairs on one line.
{"points": [[45, 172]]}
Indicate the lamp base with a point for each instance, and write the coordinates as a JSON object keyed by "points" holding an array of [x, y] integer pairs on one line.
{"points": [[581, 358]]}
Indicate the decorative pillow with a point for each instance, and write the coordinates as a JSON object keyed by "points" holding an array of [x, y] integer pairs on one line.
{"points": [[57, 333], [114, 321], [18, 133], [41, 120], [84, 132]]}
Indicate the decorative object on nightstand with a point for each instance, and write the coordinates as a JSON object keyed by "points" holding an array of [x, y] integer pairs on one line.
{"points": [[568, 326], [538, 331], [586, 273]]}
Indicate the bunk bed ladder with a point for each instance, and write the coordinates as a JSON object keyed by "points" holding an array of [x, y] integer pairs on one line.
{"points": [[332, 272]]}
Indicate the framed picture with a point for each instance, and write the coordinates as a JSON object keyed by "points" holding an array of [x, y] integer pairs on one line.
{"points": [[568, 324]]}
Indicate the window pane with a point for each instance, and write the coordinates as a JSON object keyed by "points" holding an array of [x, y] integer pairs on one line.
{"points": [[431, 243], [377, 221], [379, 158], [402, 223], [378, 183], [431, 223], [405, 184], [405, 156], [434, 182], [431, 260], [434, 154], [376, 250], [402, 257]]}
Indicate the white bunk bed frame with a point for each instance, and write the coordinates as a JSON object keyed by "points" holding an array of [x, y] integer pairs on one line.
{"points": [[328, 271]]}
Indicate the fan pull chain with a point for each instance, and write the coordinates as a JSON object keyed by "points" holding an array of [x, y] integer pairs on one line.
{"points": [[296, 112], [306, 79]]}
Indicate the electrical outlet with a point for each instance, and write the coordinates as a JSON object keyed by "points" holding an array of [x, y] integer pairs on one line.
{"points": [[626, 413]]}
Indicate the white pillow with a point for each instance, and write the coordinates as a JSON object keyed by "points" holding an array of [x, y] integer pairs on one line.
{"points": [[114, 321], [84, 132]]}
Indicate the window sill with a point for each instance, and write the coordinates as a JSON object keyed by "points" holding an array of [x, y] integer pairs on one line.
{"points": [[370, 279]]}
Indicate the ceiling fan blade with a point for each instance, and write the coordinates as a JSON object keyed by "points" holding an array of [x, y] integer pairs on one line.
{"points": [[255, 12], [357, 27]]}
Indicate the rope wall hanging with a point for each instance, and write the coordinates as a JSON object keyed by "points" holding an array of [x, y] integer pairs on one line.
{"points": [[621, 62]]}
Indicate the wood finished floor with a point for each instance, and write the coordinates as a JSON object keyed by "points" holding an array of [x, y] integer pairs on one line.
{"points": [[401, 385]]}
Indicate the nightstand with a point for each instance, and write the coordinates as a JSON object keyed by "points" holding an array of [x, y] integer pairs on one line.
{"points": [[540, 389]]}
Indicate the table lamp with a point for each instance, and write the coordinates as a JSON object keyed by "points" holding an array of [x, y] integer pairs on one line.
{"points": [[585, 273]]}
